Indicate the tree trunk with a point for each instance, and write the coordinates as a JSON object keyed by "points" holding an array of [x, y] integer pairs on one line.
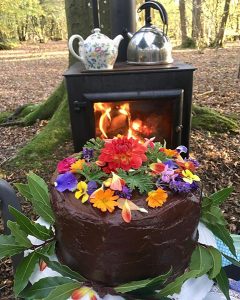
{"points": [[79, 21], [197, 31], [182, 11], [219, 38]]}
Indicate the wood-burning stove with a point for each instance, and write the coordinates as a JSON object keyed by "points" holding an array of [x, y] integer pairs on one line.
{"points": [[132, 100]]}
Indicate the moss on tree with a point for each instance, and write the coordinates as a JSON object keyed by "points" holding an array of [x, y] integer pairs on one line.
{"points": [[43, 144], [210, 120]]}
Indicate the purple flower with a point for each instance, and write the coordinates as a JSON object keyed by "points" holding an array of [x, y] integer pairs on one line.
{"points": [[125, 193], [171, 164], [180, 186], [66, 181], [194, 161], [167, 174], [182, 149], [92, 187], [87, 154]]}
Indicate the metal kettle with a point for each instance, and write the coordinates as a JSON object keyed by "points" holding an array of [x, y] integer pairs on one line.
{"points": [[150, 45]]}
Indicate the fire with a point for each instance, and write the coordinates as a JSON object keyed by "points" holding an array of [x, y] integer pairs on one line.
{"points": [[116, 118]]}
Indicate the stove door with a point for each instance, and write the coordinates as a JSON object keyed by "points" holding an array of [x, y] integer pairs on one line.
{"points": [[137, 114]]}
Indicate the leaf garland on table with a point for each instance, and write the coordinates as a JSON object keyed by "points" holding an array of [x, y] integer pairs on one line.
{"points": [[204, 260]]}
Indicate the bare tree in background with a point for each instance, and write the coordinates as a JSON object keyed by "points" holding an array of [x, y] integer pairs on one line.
{"points": [[197, 31], [183, 22], [219, 38]]}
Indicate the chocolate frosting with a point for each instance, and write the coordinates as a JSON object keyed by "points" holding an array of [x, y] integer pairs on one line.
{"points": [[105, 249]]}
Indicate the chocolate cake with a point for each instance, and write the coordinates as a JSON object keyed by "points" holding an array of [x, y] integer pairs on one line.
{"points": [[134, 239]]}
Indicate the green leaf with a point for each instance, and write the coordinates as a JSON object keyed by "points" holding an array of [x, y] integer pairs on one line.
{"points": [[43, 287], [201, 260], [175, 286], [151, 283], [63, 291], [213, 215], [9, 247], [217, 262], [40, 197], [153, 154], [24, 190], [24, 271], [62, 269], [223, 283], [222, 233], [93, 172], [157, 281], [137, 179], [132, 286], [206, 202], [220, 196], [29, 227], [232, 260], [19, 235], [95, 144]]}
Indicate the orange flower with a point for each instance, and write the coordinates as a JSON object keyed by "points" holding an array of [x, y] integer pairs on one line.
{"points": [[77, 166], [157, 198], [104, 200], [169, 152]]}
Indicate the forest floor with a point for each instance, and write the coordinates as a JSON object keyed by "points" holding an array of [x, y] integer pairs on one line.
{"points": [[30, 73]]}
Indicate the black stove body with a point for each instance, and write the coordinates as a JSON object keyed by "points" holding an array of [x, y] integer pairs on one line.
{"points": [[139, 101]]}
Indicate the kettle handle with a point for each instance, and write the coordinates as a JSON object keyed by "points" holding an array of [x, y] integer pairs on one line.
{"points": [[80, 45], [158, 6]]}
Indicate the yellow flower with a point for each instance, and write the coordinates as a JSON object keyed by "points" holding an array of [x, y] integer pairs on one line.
{"points": [[82, 191], [189, 176], [104, 200], [77, 166], [157, 198]]}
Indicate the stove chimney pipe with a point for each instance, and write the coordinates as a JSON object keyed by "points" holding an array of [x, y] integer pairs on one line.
{"points": [[123, 18]]}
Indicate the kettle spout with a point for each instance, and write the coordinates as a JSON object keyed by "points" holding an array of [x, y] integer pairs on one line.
{"points": [[117, 40]]}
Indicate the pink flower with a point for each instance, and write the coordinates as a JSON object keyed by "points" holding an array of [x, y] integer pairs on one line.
{"points": [[65, 164]]}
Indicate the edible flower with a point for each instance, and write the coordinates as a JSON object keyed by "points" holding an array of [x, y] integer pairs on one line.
{"points": [[104, 200], [157, 168], [182, 149], [77, 166], [66, 181], [157, 198], [126, 212], [182, 186], [186, 165], [115, 183], [124, 193], [127, 206], [189, 177], [82, 292], [167, 174], [92, 187], [169, 152], [87, 154], [82, 191], [149, 142], [65, 164], [124, 153]]}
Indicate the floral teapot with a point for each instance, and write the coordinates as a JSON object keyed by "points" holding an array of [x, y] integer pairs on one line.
{"points": [[97, 52]]}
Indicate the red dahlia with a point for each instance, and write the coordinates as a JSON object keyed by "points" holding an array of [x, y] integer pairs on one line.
{"points": [[123, 153]]}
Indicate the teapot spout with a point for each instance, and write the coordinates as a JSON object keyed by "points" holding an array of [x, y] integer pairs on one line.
{"points": [[117, 40]]}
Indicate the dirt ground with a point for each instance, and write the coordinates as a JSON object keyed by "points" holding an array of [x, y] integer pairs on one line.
{"points": [[30, 74]]}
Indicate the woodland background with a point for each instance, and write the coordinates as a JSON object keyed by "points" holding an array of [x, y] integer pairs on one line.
{"points": [[34, 55]]}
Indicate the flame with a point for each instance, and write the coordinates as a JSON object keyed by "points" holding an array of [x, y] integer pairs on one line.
{"points": [[112, 116]]}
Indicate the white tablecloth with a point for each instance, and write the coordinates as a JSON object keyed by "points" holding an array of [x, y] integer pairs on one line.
{"points": [[201, 288]]}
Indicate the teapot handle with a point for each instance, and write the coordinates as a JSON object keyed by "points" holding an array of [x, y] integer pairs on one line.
{"points": [[80, 44]]}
